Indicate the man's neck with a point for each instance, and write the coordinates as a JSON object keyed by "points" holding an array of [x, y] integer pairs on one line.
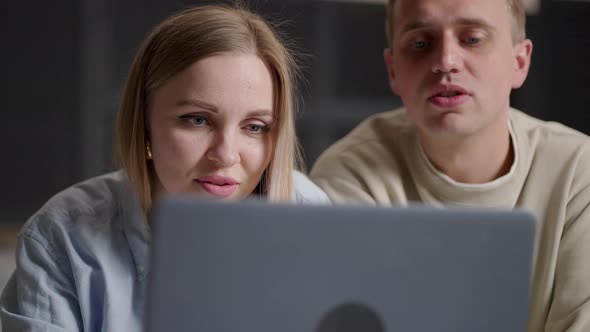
{"points": [[478, 158]]}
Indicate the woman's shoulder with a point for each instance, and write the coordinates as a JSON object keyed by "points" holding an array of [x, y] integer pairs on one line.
{"points": [[306, 191], [77, 243], [95, 201]]}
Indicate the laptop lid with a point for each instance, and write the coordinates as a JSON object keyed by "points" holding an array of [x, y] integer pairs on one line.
{"points": [[254, 266]]}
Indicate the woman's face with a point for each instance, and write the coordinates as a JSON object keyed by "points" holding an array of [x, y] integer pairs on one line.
{"points": [[210, 127]]}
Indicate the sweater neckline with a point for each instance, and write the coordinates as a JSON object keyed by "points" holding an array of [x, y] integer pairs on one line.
{"points": [[435, 186]]}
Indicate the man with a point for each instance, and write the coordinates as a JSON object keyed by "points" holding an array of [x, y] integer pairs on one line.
{"points": [[458, 142]]}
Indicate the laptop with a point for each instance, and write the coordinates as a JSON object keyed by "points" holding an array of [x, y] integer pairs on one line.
{"points": [[259, 267]]}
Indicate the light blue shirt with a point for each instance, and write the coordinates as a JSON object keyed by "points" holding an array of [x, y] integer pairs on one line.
{"points": [[82, 261]]}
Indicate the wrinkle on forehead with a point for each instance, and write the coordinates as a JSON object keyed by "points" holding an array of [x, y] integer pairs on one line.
{"points": [[414, 14]]}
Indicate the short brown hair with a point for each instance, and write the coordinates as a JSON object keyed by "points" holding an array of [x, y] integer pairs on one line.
{"points": [[516, 9], [178, 42]]}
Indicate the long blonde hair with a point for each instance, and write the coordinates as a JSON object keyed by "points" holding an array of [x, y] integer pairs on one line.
{"points": [[178, 42]]}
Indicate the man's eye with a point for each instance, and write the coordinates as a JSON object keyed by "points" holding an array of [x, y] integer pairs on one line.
{"points": [[472, 41], [419, 44]]}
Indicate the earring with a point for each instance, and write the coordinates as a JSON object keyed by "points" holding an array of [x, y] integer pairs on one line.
{"points": [[148, 151]]}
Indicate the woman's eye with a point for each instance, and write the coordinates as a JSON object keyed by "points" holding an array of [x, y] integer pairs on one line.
{"points": [[196, 120], [257, 129]]}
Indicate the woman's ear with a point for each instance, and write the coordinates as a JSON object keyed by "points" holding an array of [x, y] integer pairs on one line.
{"points": [[388, 57]]}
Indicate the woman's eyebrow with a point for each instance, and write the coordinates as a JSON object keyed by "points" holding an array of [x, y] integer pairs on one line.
{"points": [[210, 107], [260, 112], [197, 103]]}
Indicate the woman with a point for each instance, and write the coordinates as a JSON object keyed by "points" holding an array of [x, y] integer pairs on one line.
{"points": [[207, 110]]}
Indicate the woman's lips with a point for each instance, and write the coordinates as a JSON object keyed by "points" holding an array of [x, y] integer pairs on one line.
{"points": [[219, 186], [221, 191]]}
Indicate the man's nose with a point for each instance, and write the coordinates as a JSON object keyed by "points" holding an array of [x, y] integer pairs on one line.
{"points": [[224, 149], [448, 56]]}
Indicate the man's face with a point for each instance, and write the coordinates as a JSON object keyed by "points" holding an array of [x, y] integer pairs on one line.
{"points": [[454, 63]]}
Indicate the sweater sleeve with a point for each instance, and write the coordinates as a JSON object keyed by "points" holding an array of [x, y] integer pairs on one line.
{"points": [[340, 179], [570, 305], [40, 295]]}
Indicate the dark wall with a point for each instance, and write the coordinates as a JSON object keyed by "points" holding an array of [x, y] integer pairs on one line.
{"points": [[558, 86], [38, 131], [64, 63]]}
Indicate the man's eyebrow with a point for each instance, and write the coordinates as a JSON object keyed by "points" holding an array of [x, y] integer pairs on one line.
{"points": [[197, 103], [475, 22], [418, 25], [415, 25]]}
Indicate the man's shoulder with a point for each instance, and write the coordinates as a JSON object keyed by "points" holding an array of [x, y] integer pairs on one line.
{"points": [[554, 147], [359, 162], [381, 129], [380, 140], [543, 134], [382, 126]]}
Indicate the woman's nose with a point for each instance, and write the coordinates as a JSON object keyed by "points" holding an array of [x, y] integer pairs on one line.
{"points": [[224, 150]]}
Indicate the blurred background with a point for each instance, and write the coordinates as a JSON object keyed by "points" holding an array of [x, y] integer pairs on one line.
{"points": [[64, 64]]}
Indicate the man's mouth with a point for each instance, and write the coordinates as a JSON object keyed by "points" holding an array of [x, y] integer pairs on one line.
{"points": [[448, 90], [448, 96]]}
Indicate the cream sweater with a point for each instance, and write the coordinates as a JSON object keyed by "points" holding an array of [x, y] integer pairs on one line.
{"points": [[381, 162]]}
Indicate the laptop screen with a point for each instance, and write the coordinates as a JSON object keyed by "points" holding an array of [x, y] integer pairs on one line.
{"points": [[255, 266]]}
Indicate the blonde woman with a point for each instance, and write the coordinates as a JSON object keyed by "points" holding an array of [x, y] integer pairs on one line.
{"points": [[207, 110]]}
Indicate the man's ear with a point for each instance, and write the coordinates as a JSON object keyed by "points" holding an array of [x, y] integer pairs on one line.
{"points": [[388, 57], [522, 62]]}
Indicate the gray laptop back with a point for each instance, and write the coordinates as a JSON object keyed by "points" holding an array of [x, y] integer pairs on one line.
{"points": [[258, 267]]}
